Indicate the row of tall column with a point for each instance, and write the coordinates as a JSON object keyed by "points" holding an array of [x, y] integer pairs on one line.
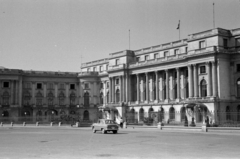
{"points": [[162, 88]]}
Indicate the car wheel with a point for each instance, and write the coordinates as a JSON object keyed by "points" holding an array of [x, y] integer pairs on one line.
{"points": [[94, 130], [115, 131], [103, 131]]}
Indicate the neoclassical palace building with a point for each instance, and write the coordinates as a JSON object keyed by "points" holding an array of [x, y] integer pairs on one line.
{"points": [[194, 78]]}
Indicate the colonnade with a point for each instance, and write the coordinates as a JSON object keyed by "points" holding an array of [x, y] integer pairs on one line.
{"points": [[164, 85]]}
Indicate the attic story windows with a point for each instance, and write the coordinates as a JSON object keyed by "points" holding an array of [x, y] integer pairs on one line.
{"points": [[202, 44], [117, 61], [6, 85]]}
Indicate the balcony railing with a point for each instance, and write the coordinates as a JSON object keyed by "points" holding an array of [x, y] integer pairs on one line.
{"points": [[88, 74]]}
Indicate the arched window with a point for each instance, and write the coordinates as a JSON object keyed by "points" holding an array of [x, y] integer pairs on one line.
{"points": [[6, 98], [101, 98], [39, 99], [228, 115], [26, 98], [161, 114], [141, 114], [187, 89], [165, 92], [61, 99], [144, 89], [183, 113], [107, 97], [203, 88], [86, 99], [154, 93], [150, 113], [199, 115], [238, 87], [175, 91], [72, 99], [131, 117], [85, 115], [172, 113], [154, 87], [117, 96], [50, 99]]}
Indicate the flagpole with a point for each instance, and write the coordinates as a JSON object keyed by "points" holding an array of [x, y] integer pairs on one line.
{"points": [[179, 29], [213, 17], [129, 38]]}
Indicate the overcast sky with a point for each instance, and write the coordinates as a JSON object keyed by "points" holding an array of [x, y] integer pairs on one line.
{"points": [[52, 35]]}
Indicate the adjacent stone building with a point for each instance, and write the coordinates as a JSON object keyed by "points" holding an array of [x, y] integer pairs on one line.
{"points": [[197, 77]]}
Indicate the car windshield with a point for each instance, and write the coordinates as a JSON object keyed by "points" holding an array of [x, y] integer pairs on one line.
{"points": [[110, 122]]}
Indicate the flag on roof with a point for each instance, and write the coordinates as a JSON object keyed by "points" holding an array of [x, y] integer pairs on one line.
{"points": [[178, 25]]}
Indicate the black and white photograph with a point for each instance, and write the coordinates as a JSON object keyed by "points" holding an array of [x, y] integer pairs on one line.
{"points": [[119, 79]]}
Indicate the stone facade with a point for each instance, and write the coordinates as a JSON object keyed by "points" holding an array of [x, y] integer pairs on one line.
{"points": [[197, 77]]}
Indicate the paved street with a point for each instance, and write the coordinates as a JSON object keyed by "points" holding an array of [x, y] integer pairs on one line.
{"points": [[75, 143]]}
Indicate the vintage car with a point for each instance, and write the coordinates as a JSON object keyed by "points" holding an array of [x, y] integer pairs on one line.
{"points": [[105, 125]]}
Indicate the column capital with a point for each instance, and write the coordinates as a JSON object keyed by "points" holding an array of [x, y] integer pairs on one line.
{"points": [[208, 62], [189, 66], [146, 73], [177, 68], [194, 65], [214, 62], [166, 70]]}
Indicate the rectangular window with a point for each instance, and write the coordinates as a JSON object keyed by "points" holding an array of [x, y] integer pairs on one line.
{"points": [[101, 86], [72, 86], [186, 73], [107, 84], [117, 81], [176, 51], [117, 61], [165, 53], [86, 86], [238, 67], [202, 44], [61, 86], [101, 68], [94, 69], [138, 59], [88, 70], [202, 69], [186, 49], [6, 85], [146, 57], [155, 56], [238, 42], [106, 67], [225, 43], [39, 85], [50, 86], [27, 85]]}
